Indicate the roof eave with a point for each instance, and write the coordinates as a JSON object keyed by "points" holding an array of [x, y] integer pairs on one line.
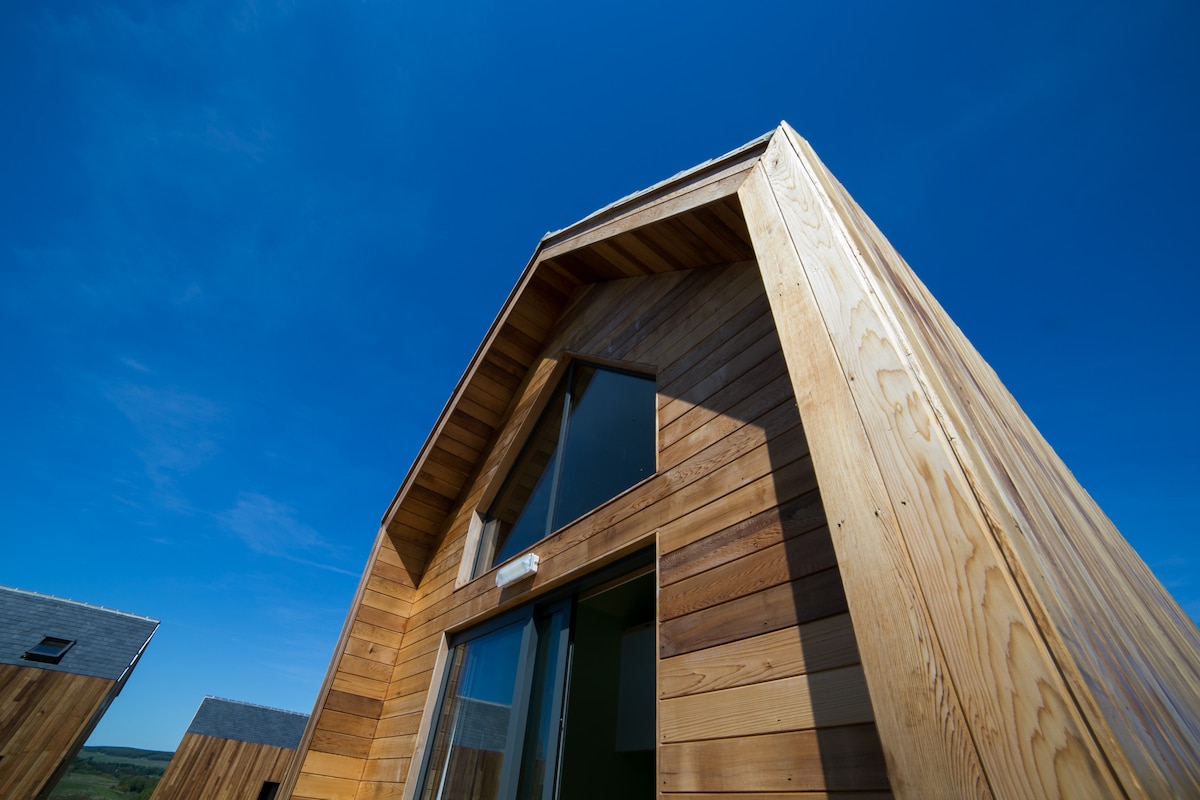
{"points": [[711, 180]]}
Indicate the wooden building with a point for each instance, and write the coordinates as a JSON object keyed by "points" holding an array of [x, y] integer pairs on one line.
{"points": [[726, 506], [62, 663], [232, 751]]}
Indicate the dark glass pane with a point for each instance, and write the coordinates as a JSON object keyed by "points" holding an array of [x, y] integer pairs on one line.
{"points": [[522, 508], [610, 440], [51, 646], [609, 445], [467, 754], [545, 708], [49, 651]]}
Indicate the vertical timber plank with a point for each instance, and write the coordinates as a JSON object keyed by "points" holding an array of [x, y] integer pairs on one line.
{"points": [[1029, 733], [1086, 586], [921, 725]]}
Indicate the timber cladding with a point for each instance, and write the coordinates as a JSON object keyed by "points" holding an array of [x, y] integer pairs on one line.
{"points": [[43, 715], [232, 750], [213, 768], [62, 663], [906, 594], [755, 644]]}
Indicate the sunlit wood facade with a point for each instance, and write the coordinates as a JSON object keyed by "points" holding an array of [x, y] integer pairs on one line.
{"points": [[872, 576], [62, 664], [232, 751]]}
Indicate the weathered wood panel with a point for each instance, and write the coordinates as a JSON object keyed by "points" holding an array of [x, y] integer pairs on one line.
{"points": [[337, 740], [743, 544], [709, 184], [44, 717], [747, 565], [1086, 585], [828, 644], [832, 759], [759, 570], [792, 518], [823, 699], [310, 786], [782, 606], [1026, 729], [211, 768], [920, 719]]}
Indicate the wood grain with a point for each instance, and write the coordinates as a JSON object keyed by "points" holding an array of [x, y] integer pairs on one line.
{"points": [[45, 716], [792, 518], [1085, 585], [762, 569], [212, 768], [833, 759], [919, 717], [778, 607], [824, 644], [821, 699]]}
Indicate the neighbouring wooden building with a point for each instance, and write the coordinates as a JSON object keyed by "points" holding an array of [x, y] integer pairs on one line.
{"points": [[232, 751], [726, 506], [62, 663]]}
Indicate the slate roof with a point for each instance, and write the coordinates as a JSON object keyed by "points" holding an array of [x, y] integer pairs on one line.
{"points": [[246, 722], [107, 642]]}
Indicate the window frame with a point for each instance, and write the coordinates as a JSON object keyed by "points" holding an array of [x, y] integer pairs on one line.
{"points": [[50, 650], [480, 545], [563, 599], [528, 617]]}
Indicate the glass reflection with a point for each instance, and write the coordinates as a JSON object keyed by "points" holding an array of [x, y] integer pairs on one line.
{"points": [[467, 755]]}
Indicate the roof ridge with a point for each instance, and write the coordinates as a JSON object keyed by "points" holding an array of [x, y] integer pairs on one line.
{"points": [[750, 145], [251, 705], [94, 606]]}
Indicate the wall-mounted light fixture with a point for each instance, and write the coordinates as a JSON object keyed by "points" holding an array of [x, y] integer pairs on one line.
{"points": [[517, 570]]}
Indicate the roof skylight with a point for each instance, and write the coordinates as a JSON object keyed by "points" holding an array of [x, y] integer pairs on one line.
{"points": [[49, 651]]}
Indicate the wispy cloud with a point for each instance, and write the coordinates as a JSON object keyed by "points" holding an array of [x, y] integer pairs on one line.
{"points": [[272, 528], [176, 429]]}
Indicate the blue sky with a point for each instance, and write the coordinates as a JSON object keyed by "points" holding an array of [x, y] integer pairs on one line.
{"points": [[247, 249]]}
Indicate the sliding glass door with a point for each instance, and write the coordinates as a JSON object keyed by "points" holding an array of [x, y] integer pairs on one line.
{"points": [[555, 699], [498, 728]]}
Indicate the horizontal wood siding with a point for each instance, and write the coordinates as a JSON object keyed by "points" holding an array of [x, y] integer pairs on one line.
{"points": [[44, 715], [342, 728], [210, 768], [839, 759], [746, 561], [757, 651]]}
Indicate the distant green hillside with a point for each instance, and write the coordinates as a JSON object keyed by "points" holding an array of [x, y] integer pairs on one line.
{"points": [[112, 773]]}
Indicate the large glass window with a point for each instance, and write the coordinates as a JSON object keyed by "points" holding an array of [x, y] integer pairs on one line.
{"points": [[595, 439]]}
